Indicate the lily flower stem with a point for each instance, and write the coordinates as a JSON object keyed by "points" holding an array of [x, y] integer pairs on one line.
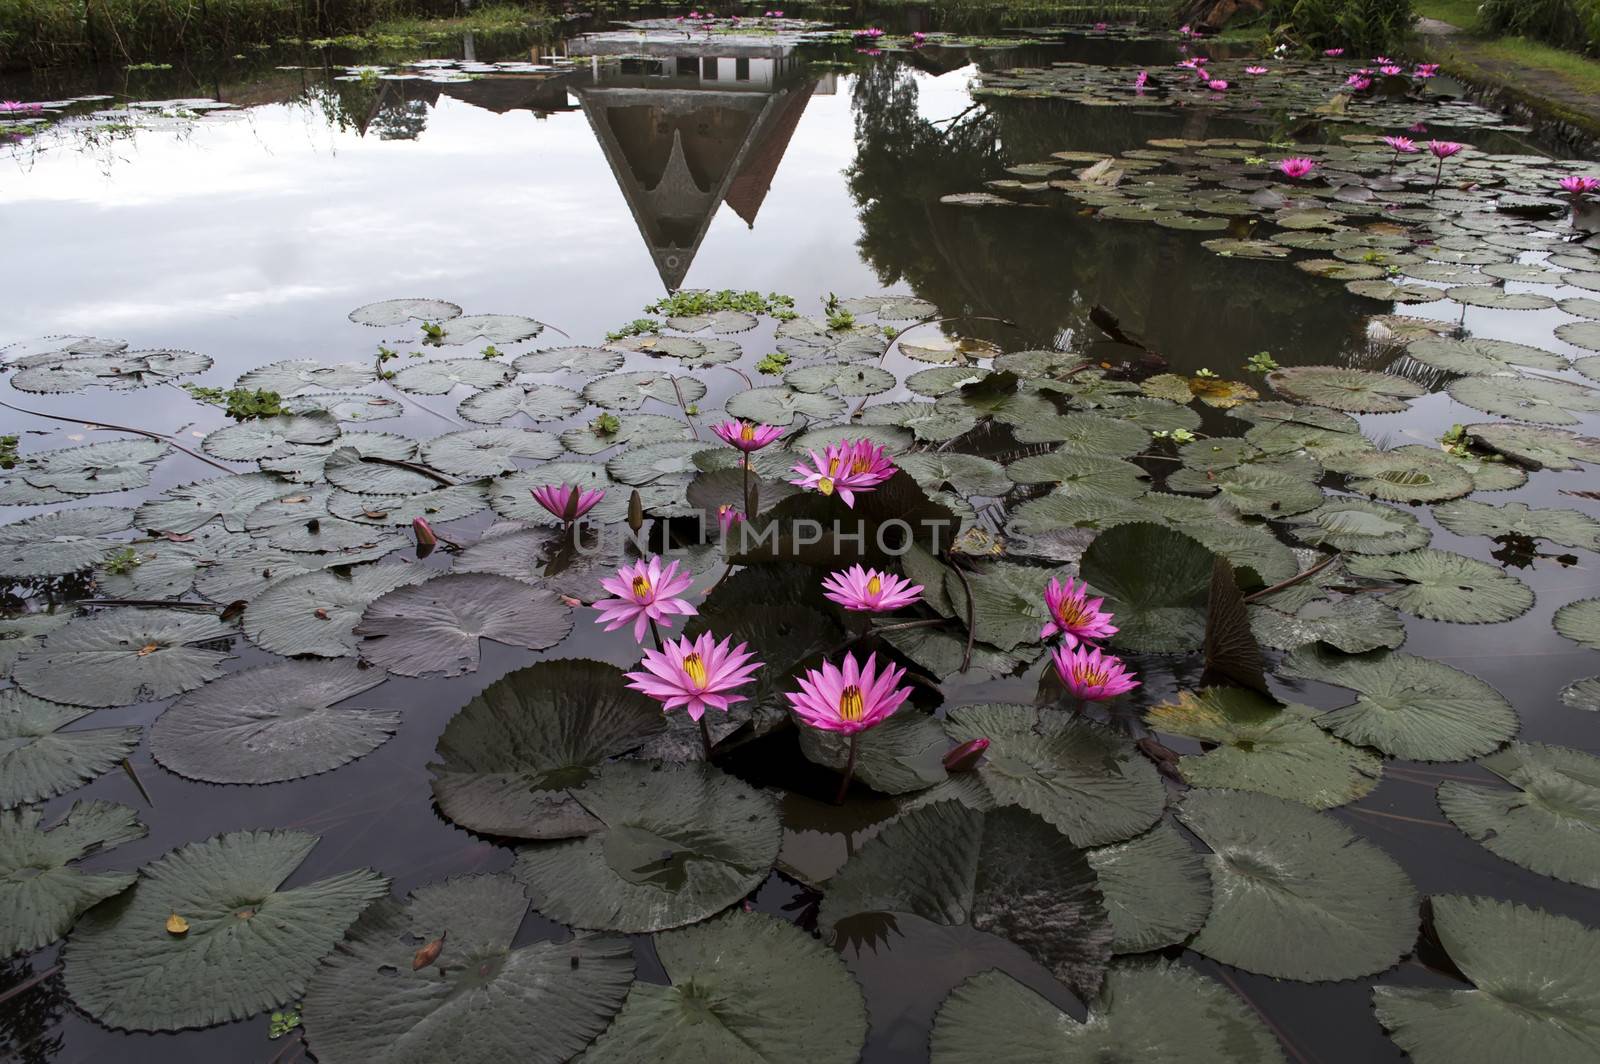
{"points": [[849, 768], [705, 736], [747, 508], [656, 634]]}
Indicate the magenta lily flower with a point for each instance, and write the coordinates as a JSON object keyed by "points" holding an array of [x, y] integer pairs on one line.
{"points": [[1358, 82], [695, 674], [1141, 80], [1333, 53], [645, 593], [728, 515], [745, 436], [1443, 149], [1296, 168], [848, 701], [566, 501], [1256, 71], [1091, 675], [1074, 615], [1580, 186], [847, 468], [1217, 85], [1426, 70], [1401, 145], [1389, 70], [869, 591]]}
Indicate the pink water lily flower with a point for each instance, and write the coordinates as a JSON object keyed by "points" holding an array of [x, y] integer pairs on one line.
{"points": [[728, 515], [851, 699], [1296, 168], [645, 592], [1100, 27], [1255, 71], [1359, 83], [1192, 64], [1091, 675], [869, 590], [1580, 186], [1217, 85], [1402, 145], [1381, 60], [1426, 70], [1416, 127], [1141, 80], [745, 436], [695, 674], [16, 107], [1443, 149], [1333, 53], [566, 501], [1389, 70], [847, 468], [1185, 31], [1074, 615]]}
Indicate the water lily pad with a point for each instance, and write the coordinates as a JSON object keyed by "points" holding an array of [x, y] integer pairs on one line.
{"points": [[442, 375], [903, 754], [678, 843], [115, 465], [392, 312], [1480, 356], [22, 633], [1259, 490], [1549, 824], [781, 405], [39, 761], [190, 506], [1584, 334], [270, 437], [746, 987], [1155, 888], [327, 534], [584, 361], [435, 626], [1353, 624], [1295, 893], [1533, 975], [1254, 745], [125, 655], [308, 465], [41, 892], [297, 375], [56, 544], [1407, 706], [1582, 694], [1007, 603], [631, 429], [959, 350], [1571, 528], [1339, 388], [1442, 586], [480, 998], [1007, 872], [250, 945], [478, 453], [1080, 474], [1474, 295], [1548, 402], [490, 329], [1402, 475], [272, 723], [354, 471], [1580, 622], [316, 613], [928, 421], [1158, 583], [1092, 434], [1535, 446], [848, 379], [1148, 1011], [628, 391], [1391, 292], [540, 402], [1356, 526], [890, 307]]}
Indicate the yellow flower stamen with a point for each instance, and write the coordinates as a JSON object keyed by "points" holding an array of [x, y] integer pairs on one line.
{"points": [[833, 467], [641, 588], [747, 431], [695, 669], [1071, 612], [874, 586], [851, 707], [860, 465], [1090, 677], [825, 485]]}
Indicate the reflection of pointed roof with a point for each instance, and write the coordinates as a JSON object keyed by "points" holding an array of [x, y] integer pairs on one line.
{"points": [[749, 186]]}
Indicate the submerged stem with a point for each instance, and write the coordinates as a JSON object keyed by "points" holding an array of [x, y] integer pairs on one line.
{"points": [[849, 768]]}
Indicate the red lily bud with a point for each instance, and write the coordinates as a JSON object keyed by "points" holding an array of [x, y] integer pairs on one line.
{"points": [[964, 758], [426, 540]]}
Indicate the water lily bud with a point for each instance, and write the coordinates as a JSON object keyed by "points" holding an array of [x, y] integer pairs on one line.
{"points": [[964, 758], [635, 511], [426, 540]]}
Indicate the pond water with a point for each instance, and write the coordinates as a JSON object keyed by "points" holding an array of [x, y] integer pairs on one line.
{"points": [[579, 192]]}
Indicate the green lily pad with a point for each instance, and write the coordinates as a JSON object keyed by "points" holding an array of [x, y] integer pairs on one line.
{"points": [[1295, 893], [250, 945], [1442, 586], [1078, 474], [1536, 446], [477, 453], [678, 843], [903, 754], [1258, 490], [1155, 888], [1007, 606], [393, 312], [540, 402], [490, 329], [1353, 625], [1548, 402], [442, 375], [1580, 622], [1571, 528], [890, 307], [1481, 357], [435, 625], [1584, 334], [479, 999], [628, 391], [1339, 388], [22, 633], [228, 499], [115, 465], [316, 613], [847, 379], [270, 437], [38, 760], [308, 465], [1157, 582], [1356, 526], [272, 723], [56, 544], [125, 655], [1091, 434], [41, 892], [1549, 824], [297, 375], [1402, 475], [440, 504], [964, 474], [631, 429], [582, 361], [780, 405]]}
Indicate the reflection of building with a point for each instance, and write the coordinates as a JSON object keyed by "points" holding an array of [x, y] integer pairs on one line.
{"points": [[685, 133]]}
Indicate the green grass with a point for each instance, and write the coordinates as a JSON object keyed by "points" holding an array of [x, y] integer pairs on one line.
{"points": [[1463, 13], [1578, 72]]}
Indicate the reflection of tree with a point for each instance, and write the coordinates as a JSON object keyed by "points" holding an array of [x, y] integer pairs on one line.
{"points": [[30, 1022], [369, 103], [1046, 267]]}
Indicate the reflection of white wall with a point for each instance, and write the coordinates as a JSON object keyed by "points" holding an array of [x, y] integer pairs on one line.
{"points": [[827, 84]]}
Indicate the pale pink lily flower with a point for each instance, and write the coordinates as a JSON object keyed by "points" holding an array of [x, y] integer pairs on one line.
{"points": [[1256, 71], [1074, 615], [695, 674], [1401, 145], [1141, 80], [566, 501], [1185, 31], [1296, 168], [847, 468], [1090, 675], [869, 590], [1359, 83], [645, 592], [1426, 70], [1416, 127], [1381, 60], [1443, 149], [851, 699], [1333, 53], [1217, 85], [1100, 27], [1389, 70], [1580, 186], [745, 436]]}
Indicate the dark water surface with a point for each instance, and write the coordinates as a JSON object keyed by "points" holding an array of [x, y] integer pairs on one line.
{"points": [[249, 237]]}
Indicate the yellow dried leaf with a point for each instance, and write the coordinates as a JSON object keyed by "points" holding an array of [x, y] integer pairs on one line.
{"points": [[177, 925]]}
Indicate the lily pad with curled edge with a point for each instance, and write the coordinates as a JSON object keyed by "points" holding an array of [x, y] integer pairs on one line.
{"points": [[930, 346], [1580, 622], [1496, 298], [1086, 780], [1407, 706], [41, 892], [435, 626], [675, 844], [1353, 624], [1481, 357], [441, 375], [1158, 583], [965, 474], [479, 1000], [941, 380], [778, 405], [190, 506], [1080, 433], [1536, 446], [1570, 528], [583, 361], [392, 312], [507, 758], [297, 375], [1093, 476], [902, 755], [1005, 871], [114, 465], [1156, 1010], [490, 329], [475, 453], [38, 760], [1340, 388], [1443, 586], [1550, 824], [847, 379], [540, 402], [125, 655], [250, 945], [270, 437], [59, 543], [890, 307], [1402, 476], [747, 987], [1252, 744], [1295, 894], [628, 391], [1391, 292], [631, 429], [272, 723], [1533, 975], [1155, 889], [317, 613], [1356, 526]]}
